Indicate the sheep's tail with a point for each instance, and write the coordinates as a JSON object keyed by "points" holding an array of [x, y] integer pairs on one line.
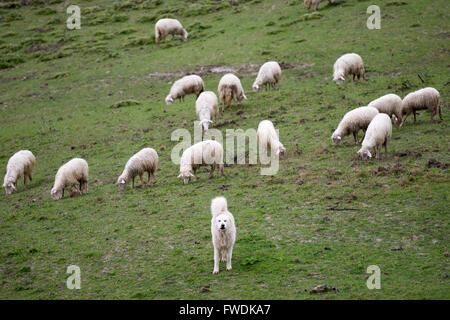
{"points": [[218, 206]]}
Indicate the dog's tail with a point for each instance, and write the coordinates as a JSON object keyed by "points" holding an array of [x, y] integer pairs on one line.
{"points": [[218, 206]]}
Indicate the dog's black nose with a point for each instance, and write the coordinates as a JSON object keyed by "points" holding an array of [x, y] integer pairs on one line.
{"points": [[222, 226]]}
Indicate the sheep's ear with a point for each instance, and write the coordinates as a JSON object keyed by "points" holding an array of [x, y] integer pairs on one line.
{"points": [[339, 138], [342, 78], [210, 121], [369, 154], [190, 174], [13, 187], [244, 96], [180, 176]]}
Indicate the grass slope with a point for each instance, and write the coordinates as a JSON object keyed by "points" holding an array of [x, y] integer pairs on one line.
{"points": [[56, 89]]}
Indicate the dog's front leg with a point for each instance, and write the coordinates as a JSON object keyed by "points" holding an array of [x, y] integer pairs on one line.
{"points": [[216, 261], [229, 253]]}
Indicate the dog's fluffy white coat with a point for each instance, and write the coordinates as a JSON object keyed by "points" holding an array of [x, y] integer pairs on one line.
{"points": [[223, 232]]}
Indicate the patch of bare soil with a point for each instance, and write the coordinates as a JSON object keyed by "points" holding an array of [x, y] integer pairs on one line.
{"points": [[221, 69]]}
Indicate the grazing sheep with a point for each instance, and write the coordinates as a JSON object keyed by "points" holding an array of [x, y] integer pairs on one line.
{"points": [[377, 134], [223, 231], [427, 98], [208, 152], [165, 27], [207, 107], [21, 164], [268, 138], [391, 104], [353, 121], [348, 64], [230, 88], [314, 3], [269, 74], [145, 160], [73, 173], [184, 86]]}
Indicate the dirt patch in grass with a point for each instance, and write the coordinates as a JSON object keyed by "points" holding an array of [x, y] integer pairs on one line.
{"points": [[222, 69]]}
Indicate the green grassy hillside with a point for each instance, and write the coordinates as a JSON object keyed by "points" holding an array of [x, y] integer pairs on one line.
{"points": [[323, 219]]}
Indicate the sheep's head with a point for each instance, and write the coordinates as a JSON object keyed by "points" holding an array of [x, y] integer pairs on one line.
{"points": [[364, 154], [169, 99], [9, 187], [256, 87], [336, 139], [281, 151], [205, 124], [122, 184], [185, 35], [339, 79], [242, 97], [185, 176], [56, 194]]}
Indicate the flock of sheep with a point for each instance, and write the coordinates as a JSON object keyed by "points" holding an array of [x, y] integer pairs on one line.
{"points": [[375, 120]]}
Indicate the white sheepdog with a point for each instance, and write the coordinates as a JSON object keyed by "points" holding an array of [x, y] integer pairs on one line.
{"points": [[223, 232]]}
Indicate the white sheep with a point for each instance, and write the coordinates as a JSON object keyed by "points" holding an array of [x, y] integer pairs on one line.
{"points": [[21, 164], [348, 64], [230, 88], [353, 121], [208, 152], [145, 160], [165, 27], [426, 98], [73, 173], [206, 107], [391, 104], [269, 74], [314, 3], [268, 138], [184, 86], [377, 134]]}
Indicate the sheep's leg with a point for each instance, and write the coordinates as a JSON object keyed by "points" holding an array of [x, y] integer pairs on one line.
{"points": [[377, 152], [195, 176], [229, 254], [364, 135], [132, 183], [440, 112], [355, 136], [149, 177], [221, 170], [213, 167], [385, 146], [86, 186], [25, 180], [414, 112], [30, 177], [141, 176]]}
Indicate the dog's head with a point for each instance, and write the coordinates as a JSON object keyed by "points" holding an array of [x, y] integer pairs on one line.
{"points": [[222, 222]]}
